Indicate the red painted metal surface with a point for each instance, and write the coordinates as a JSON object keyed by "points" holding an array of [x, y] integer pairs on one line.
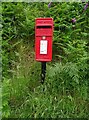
{"points": [[43, 39]]}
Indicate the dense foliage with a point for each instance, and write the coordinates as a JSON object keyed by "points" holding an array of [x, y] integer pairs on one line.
{"points": [[64, 93]]}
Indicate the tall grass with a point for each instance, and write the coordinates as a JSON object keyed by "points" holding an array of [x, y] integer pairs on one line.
{"points": [[64, 93]]}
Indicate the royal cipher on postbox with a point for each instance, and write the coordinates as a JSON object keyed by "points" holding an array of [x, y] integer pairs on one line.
{"points": [[43, 39]]}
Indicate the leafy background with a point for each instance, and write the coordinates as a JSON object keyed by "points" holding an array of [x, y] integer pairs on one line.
{"points": [[64, 93]]}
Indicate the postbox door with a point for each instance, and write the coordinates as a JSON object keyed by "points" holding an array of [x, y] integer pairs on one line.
{"points": [[44, 48]]}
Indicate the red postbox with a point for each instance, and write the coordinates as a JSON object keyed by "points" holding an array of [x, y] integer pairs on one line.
{"points": [[43, 39]]}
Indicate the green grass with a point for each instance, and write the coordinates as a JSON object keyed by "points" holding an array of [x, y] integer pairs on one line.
{"points": [[55, 98], [64, 93]]}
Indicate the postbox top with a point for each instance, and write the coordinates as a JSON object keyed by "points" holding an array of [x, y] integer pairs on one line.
{"points": [[48, 18], [44, 21]]}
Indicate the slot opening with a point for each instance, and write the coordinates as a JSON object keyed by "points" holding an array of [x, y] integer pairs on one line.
{"points": [[38, 27]]}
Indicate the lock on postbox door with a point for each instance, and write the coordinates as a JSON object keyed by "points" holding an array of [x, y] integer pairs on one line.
{"points": [[43, 39]]}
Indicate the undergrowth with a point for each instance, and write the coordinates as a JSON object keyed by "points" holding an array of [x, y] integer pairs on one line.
{"points": [[64, 93]]}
